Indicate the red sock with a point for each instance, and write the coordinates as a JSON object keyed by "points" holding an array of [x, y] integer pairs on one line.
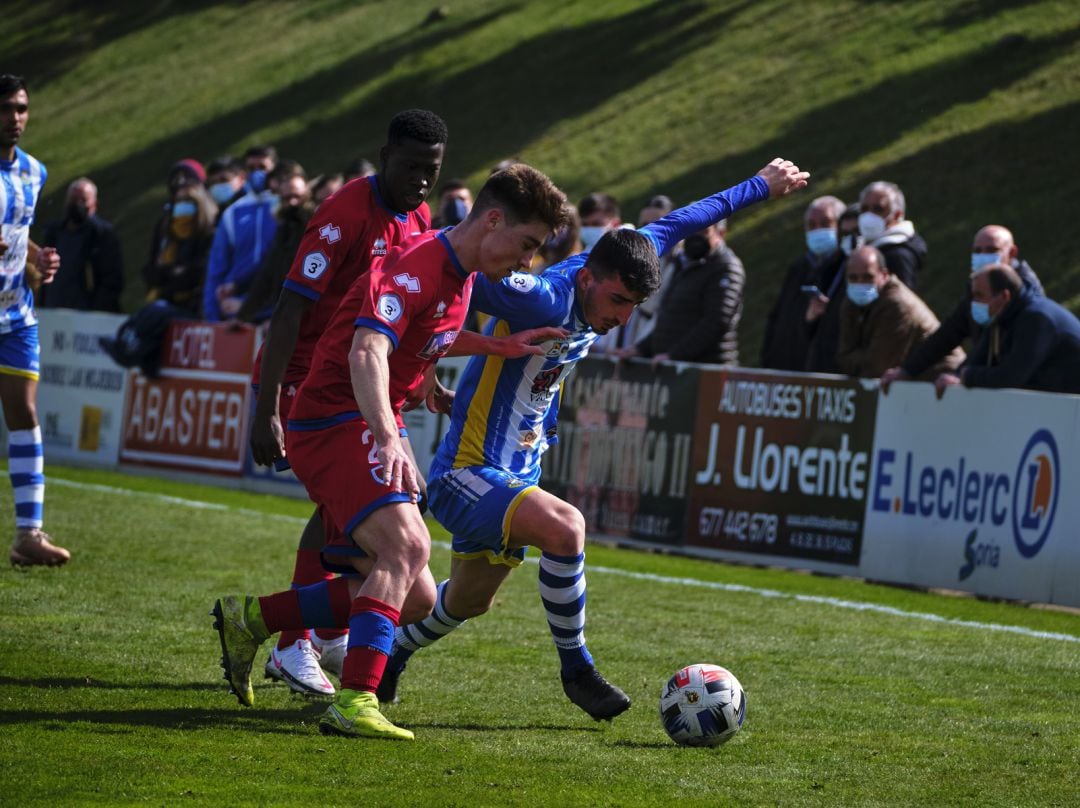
{"points": [[364, 665], [281, 611], [307, 570]]}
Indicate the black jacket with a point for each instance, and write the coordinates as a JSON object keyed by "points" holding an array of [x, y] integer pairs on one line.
{"points": [[957, 327], [91, 275], [699, 314], [1033, 343], [786, 346], [906, 259]]}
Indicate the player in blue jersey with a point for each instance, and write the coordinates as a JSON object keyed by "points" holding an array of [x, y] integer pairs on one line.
{"points": [[483, 482], [21, 180]]}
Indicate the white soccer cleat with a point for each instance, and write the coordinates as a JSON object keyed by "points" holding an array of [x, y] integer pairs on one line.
{"points": [[298, 667], [331, 652]]}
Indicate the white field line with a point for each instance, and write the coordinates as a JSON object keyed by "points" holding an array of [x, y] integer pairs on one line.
{"points": [[838, 603]]}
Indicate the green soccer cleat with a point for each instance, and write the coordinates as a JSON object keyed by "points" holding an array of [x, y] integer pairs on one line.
{"points": [[242, 631], [356, 713]]}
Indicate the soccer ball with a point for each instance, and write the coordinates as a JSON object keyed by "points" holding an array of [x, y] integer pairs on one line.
{"points": [[702, 705]]}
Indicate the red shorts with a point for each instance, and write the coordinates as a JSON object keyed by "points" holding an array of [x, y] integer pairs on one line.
{"points": [[342, 474]]}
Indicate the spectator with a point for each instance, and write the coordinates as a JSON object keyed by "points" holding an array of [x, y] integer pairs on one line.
{"points": [[454, 204], [181, 241], [259, 161], [823, 310], [225, 180], [881, 319], [1029, 340], [598, 213], [358, 168], [91, 275], [256, 303], [786, 346], [325, 186], [643, 320], [243, 236], [882, 224], [561, 244], [698, 318], [993, 245]]}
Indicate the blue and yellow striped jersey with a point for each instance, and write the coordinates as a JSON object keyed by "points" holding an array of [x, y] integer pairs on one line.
{"points": [[21, 181]]}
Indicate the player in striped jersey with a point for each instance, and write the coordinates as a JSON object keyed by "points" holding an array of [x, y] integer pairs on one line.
{"points": [[21, 179], [483, 481]]}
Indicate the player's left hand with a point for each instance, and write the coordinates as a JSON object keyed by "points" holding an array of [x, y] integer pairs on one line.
{"points": [[398, 470], [783, 177], [529, 342], [47, 263], [441, 399]]}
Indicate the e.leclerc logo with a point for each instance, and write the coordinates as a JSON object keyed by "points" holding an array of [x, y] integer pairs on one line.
{"points": [[975, 496]]}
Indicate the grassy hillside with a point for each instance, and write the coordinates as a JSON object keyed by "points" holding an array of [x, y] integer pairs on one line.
{"points": [[973, 108]]}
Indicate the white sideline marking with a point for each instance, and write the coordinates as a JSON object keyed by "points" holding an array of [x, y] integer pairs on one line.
{"points": [[853, 605]]}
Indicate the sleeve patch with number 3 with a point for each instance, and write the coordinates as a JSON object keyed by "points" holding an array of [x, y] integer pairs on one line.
{"points": [[315, 264]]}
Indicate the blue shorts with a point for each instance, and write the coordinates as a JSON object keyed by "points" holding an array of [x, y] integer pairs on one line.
{"points": [[476, 504], [20, 354]]}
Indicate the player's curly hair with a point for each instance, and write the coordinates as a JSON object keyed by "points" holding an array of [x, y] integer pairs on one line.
{"points": [[524, 195], [417, 124], [631, 255]]}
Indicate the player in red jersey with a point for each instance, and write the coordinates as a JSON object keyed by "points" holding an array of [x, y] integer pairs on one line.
{"points": [[350, 233], [345, 441]]}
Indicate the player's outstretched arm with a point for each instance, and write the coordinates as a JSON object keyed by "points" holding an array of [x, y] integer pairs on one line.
{"points": [[528, 342], [369, 370], [267, 434], [783, 177]]}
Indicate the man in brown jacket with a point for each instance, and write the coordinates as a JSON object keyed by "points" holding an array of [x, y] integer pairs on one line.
{"points": [[881, 319]]}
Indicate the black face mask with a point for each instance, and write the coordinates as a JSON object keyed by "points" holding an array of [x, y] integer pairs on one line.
{"points": [[77, 212], [696, 247]]}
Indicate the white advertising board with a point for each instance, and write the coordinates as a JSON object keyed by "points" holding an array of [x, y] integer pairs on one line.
{"points": [[81, 390], [976, 491]]}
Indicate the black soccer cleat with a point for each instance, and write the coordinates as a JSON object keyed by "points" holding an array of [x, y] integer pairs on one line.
{"points": [[386, 692], [596, 695]]}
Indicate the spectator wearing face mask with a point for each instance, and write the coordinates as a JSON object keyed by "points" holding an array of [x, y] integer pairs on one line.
{"points": [[699, 312], [1028, 341], [993, 244], [598, 213], [181, 241], [561, 244], [243, 236], [883, 224], [226, 180], [455, 202], [881, 319], [259, 161], [324, 186], [785, 346], [822, 316], [91, 274]]}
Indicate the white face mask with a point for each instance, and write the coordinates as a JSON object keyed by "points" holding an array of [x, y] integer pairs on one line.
{"points": [[871, 226]]}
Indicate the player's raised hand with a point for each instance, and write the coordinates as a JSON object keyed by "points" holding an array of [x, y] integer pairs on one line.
{"points": [[529, 342], [783, 177]]}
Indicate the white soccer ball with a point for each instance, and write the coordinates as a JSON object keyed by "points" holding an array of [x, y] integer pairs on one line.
{"points": [[702, 705]]}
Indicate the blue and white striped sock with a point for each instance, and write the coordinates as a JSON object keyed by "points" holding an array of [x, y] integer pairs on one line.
{"points": [[411, 638], [562, 589], [26, 467]]}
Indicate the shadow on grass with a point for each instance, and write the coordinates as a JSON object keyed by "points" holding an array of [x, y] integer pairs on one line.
{"points": [[277, 721], [643, 744], [88, 682], [474, 727]]}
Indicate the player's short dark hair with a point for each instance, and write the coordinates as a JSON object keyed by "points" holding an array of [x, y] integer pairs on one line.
{"points": [[454, 185], [262, 150], [525, 195], [629, 254], [226, 163], [417, 124], [1002, 277], [604, 203], [11, 84]]}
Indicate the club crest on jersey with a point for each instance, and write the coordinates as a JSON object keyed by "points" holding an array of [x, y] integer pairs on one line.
{"points": [[389, 307], [315, 264], [438, 344], [558, 348], [330, 233], [522, 282], [379, 247], [407, 282], [440, 311]]}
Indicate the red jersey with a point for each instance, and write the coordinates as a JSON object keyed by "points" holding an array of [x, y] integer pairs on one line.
{"points": [[351, 232], [418, 298]]}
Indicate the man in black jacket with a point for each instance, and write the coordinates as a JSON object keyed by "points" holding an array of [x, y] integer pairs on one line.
{"points": [[91, 275], [699, 313], [993, 244]]}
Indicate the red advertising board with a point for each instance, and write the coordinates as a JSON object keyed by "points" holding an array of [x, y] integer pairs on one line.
{"points": [[194, 417]]}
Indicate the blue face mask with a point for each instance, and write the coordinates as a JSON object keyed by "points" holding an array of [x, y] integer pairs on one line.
{"points": [[257, 181], [590, 234], [980, 312], [862, 294], [980, 260], [222, 192], [822, 241], [184, 208]]}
